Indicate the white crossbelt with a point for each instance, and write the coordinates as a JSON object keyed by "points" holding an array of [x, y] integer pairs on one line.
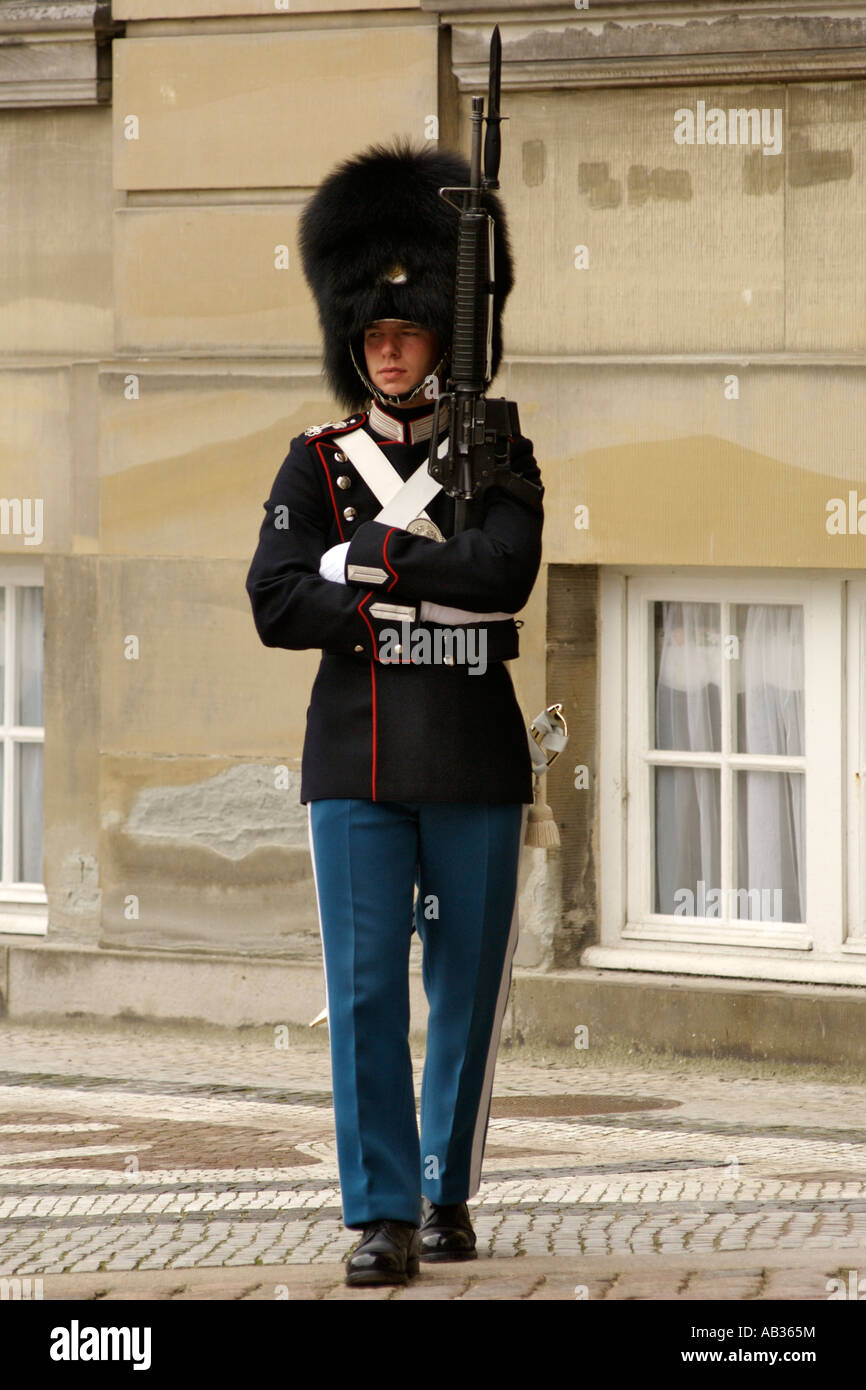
{"points": [[401, 501]]}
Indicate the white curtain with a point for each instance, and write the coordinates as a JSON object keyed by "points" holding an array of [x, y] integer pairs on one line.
{"points": [[30, 761], [29, 657], [687, 708], [30, 649], [769, 806]]}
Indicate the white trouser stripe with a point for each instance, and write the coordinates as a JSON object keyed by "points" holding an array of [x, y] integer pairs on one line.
{"points": [[502, 1000], [318, 901]]}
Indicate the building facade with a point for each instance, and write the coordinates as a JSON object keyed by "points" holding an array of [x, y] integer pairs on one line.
{"points": [[686, 341]]}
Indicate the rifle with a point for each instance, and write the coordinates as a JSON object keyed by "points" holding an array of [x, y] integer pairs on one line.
{"points": [[479, 448]]}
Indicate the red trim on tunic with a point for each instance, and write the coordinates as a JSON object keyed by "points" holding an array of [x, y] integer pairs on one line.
{"points": [[373, 768], [364, 615], [373, 693], [386, 560], [331, 490]]}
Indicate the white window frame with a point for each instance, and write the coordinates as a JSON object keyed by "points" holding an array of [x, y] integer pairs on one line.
{"points": [[855, 942], [23, 906], [820, 950]]}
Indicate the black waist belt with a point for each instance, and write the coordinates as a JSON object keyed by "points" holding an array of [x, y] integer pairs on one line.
{"points": [[497, 641]]}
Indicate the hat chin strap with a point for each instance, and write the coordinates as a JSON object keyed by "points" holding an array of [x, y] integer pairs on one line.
{"points": [[406, 396]]}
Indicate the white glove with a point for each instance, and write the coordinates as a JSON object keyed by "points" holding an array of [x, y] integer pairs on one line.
{"points": [[333, 563], [436, 613]]}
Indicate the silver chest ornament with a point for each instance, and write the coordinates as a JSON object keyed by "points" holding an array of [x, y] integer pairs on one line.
{"points": [[423, 526]]}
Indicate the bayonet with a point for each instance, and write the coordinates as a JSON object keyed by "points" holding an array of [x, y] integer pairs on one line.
{"points": [[482, 427]]}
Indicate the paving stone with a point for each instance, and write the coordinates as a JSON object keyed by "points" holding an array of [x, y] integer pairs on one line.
{"points": [[439, 1291], [652, 1189]]}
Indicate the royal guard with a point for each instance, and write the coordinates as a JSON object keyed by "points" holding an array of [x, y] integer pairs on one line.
{"points": [[416, 770]]}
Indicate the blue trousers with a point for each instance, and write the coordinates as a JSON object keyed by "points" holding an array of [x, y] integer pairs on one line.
{"points": [[368, 857]]}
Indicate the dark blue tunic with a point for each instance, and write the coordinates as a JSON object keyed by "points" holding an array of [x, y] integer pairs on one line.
{"points": [[410, 731]]}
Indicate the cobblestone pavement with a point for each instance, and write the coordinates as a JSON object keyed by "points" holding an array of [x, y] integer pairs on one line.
{"points": [[171, 1163]]}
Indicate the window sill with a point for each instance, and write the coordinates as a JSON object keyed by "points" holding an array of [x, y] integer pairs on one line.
{"points": [[23, 919], [789, 938], [732, 962]]}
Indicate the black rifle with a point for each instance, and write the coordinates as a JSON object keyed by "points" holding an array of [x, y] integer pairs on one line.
{"points": [[479, 448]]}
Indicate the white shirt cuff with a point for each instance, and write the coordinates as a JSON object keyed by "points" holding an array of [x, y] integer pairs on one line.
{"points": [[333, 563]]}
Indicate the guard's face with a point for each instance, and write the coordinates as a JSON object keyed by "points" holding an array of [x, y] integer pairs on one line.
{"points": [[399, 355]]}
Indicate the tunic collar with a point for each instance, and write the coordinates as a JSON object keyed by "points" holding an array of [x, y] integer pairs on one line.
{"points": [[407, 426]]}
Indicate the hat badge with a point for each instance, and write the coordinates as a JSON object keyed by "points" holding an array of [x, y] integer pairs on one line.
{"points": [[396, 275]]}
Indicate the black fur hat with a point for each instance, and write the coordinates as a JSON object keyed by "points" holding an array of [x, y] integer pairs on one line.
{"points": [[379, 215]]}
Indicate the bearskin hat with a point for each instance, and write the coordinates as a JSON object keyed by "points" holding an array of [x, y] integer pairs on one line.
{"points": [[378, 242]]}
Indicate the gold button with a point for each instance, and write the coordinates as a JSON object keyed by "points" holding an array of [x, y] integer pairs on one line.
{"points": [[343, 481], [359, 649], [349, 513], [340, 458]]}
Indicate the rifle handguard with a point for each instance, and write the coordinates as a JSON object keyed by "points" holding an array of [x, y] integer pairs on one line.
{"points": [[471, 348]]}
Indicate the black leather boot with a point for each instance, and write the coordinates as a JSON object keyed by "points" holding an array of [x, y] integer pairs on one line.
{"points": [[446, 1233], [387, 1253]]}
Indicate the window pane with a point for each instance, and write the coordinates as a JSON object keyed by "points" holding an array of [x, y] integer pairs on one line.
{"points": [[30, 651], [687, 839], [770, 679], [687, 676], [771, 846], [29, 867]]}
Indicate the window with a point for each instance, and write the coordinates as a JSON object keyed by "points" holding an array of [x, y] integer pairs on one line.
{"points": [[722, 778], [22, 738], [725, 759]]}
